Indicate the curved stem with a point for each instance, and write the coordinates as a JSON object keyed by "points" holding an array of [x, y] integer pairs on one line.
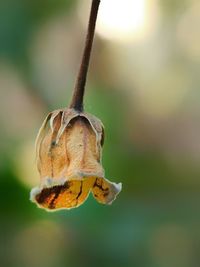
{"points": [[78, 94]]}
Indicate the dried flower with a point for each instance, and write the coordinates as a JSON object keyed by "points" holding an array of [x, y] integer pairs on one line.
{"points": [[68, 149]]}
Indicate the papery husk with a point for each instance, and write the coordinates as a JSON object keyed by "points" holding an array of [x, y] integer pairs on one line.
{"points": [[68, 150]]}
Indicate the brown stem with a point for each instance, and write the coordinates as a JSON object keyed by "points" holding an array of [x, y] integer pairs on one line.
{"points": [[78, 94]]}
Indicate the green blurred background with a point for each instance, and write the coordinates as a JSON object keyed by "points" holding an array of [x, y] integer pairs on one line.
{"points": [[144, 85]]}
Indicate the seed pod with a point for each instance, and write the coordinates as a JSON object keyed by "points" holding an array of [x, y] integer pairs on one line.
{"points": [[68, 149]]}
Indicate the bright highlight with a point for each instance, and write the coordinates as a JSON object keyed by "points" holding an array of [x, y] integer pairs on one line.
{"points": [[122, 19]]}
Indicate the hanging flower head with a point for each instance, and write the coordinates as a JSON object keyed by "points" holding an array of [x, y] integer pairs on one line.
{"points": [[69, 161]]}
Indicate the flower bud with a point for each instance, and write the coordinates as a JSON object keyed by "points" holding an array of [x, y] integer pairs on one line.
{"points": [[68, 150]]}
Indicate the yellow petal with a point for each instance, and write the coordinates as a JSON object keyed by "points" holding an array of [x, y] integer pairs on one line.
{"points": [[66, 195], [104, 191]]}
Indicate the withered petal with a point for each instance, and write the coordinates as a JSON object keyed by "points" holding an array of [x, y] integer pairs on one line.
{"points": [[62, 194], [70, 114], [53, 117], [105, 191], [50, 117]]}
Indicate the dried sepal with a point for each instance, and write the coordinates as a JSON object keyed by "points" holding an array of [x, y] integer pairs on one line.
{"points": [[68, 148]]}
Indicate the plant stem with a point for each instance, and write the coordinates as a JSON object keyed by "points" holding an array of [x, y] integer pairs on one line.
{"points": [[79, 89]]}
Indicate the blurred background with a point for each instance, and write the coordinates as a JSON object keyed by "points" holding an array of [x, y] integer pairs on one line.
{"points": [[144, 85]]}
